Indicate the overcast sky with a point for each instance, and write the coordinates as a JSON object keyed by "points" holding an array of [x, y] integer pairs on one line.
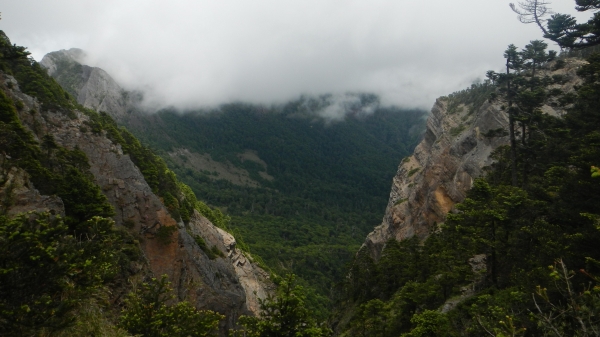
{"points": [[191, 53]]}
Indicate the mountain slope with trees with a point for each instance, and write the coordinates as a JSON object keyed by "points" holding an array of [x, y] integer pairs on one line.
{"points": [[301, 187], [518, 256], [329, 186], [81, 222]]}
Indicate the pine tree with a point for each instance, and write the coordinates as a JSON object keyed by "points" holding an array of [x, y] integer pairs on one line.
{"points": [[148, 313], [563, 28], [285, 315]]}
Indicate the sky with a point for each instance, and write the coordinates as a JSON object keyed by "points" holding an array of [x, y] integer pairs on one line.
{"points": [[200, 53]]}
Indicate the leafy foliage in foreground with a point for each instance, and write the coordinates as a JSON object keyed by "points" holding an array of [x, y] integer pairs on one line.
{"points": [[486, 270], [148, 313], [283, 315], [46, 269]]}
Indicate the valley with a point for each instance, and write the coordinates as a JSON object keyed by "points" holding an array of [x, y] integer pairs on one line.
{"points": [[122, 215], [301, 191], [318, 188]]}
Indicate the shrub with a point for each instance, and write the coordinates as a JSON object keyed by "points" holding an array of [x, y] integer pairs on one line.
{"points": [[455, 131], [412, 172], [19, 105], [147, 313], [45, 271], [164, 234]]}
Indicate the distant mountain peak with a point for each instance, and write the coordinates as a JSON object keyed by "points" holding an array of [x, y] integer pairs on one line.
{"points": [[93, 87], [51, 60]]}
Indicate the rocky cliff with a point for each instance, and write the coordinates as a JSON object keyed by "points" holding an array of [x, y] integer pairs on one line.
{"points": [[463, 129], [230, 284], [91, 86], [96, 89]]}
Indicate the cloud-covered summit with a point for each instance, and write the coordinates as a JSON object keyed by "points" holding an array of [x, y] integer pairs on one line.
{"points": [[194, 53]]}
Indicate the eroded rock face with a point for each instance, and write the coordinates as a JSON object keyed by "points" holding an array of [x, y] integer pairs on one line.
{"points": [[93, 87], [255, 281], [220, 284], [453, 152], [18, 195], [439, 172]]}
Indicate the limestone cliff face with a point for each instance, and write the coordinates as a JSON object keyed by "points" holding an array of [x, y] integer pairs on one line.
{"points": [[454, 150], [230, 285], [93, 87]]}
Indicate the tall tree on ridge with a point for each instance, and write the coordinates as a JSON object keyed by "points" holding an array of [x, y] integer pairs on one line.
{"points": [[514, 63], [532, 94], [532, 11], [563, 28]]}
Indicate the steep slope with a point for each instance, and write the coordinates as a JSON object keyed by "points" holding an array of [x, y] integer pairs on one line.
{"points": [[230, 284], [303, 181], [463, 130], [91, 86]]}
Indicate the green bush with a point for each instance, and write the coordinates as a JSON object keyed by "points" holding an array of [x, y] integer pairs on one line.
{"points": [[412, 172], [19, 105], [429, 323], [164, 234], [284, 315], [47, 268], [147, 313], [400, 201], [212, 252], [455, 131]]}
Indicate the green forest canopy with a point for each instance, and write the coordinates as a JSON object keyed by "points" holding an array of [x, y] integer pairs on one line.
{"points": [[331, 179]]}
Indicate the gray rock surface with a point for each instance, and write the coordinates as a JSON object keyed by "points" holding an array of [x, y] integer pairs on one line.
{"points": [[18, 195], [442, 168], [93, 87]]}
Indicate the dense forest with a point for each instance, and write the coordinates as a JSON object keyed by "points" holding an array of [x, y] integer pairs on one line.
{"points": [[326, 184]]}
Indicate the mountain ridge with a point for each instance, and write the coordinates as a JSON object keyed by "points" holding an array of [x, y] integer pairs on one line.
{"points": [[229, 283]]}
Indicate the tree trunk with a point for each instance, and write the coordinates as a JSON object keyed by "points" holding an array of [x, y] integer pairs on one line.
{"points": [[494, 266], [511, 127]]}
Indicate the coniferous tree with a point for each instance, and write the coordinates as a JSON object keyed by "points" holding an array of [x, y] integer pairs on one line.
{"points": [[525, 92], [563, 28], [509, 88], [532, 95], [285, 315], [148, 313]]}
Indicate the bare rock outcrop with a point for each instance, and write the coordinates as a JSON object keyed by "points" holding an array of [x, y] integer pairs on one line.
{"points": [[254, 281], [455, 148], [93, 87], [18, 195]]}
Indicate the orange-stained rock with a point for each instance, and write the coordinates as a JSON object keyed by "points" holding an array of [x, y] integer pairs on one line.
{"points": [[219, 284], [443, 166]]}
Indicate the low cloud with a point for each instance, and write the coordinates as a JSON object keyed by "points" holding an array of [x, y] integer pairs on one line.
{"points": [[194, 53], [335, 107]]}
